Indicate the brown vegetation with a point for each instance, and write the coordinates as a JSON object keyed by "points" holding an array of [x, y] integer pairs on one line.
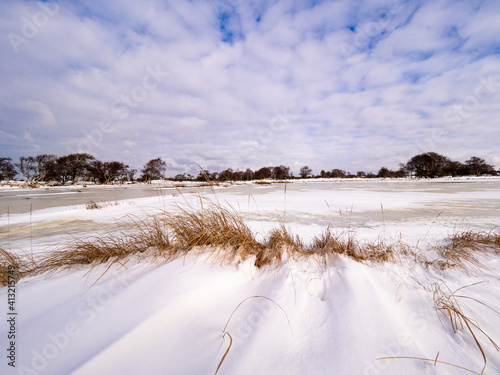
{"points": [[14, 265], [461, 249], [223, 232]]}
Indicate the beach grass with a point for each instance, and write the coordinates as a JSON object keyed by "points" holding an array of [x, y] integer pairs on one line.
{"points": [[223, 231]]}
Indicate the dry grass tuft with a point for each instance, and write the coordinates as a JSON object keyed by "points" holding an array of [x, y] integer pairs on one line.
{"points": [[224, 331], [461, 248], [14, 265], [151, 233], [91, 205], [215, 226], [222, 231], [278, 241], [448, 303], [281, 238], [344, 243], [212, 225], [209, 184], [148, 237], [89, 252], [378, 251], [329, 243], [476, 240]]}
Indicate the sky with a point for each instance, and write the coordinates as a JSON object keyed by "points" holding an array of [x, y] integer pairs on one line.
{"points": [[354, 85]]}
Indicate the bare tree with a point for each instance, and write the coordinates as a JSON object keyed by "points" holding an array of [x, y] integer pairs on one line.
{"points": [[281, 172], [305, 171], [338, 173], [226, 175], [429, 165], [43, 165], [107, 172], [27, 167], [154, 170], [248, 174], [7, 170], [131, 174], [477, 166], [264, 172], [455, 168], [384, 172], [70, 167], [203, 175]]}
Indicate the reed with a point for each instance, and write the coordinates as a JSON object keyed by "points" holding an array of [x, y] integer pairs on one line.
{"points": [[222, 231]]}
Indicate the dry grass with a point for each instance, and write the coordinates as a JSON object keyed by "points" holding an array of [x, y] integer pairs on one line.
{"points": [[447, 302], [278, 241], [152, 233], [210, 184], [91, 205], [475, 240], [148, 236], [89, 252], [330, 243], [461, 248], [281, 239], [435, 361], [223, 231], [214, 226], [345, 243], [10, 184], [262, 182], [225, 332], [192, 184], [450, 304], [379, 251], [21, 266]]}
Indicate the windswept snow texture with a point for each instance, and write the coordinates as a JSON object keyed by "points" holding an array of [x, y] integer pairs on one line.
{"points": [[140, 318]]}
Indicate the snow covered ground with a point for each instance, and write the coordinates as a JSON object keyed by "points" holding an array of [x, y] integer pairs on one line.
{"points": [[181, 317]]}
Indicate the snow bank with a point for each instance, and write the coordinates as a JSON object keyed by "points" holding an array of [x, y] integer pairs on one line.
{"points": [[339, 319], [170, 319]]}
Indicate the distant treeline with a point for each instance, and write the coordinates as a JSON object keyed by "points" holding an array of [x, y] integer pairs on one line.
{"points": [[86, 168]]}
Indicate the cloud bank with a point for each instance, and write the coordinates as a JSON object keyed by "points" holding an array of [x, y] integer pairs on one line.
{"points": [[330, 84]]}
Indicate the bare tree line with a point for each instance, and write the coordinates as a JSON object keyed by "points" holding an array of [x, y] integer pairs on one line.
{"points": [[76, 167], [85, 167]]}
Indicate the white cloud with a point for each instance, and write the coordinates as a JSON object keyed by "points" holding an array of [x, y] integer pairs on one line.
{"points": [[43, 116], [27, 137], [364, 84], [130, 144]]}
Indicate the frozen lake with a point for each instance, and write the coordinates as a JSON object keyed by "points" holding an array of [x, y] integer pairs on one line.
{"points": [[24, 200], [414, 209]]}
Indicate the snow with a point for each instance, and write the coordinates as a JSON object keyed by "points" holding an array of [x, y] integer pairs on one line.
{"points": [[154, 318]]}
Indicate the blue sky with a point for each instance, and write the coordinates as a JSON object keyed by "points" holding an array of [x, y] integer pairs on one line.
{"points": [[330, 84]]}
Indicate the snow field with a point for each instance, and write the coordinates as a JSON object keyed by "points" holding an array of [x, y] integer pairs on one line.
{"points": [[342, 318], [170, 319]]}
